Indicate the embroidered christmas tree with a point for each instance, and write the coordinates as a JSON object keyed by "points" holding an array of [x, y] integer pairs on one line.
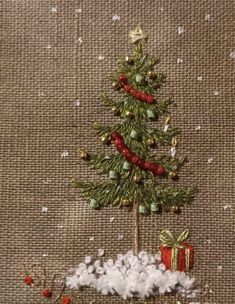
{"points": [[137, 174], [140, 177]]}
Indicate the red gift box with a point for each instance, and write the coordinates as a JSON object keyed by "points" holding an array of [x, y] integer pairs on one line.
{"points": [[175, 253]]}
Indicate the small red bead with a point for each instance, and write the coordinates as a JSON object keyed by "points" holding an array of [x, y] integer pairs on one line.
{"points": [[28, 280], [139, 95], [65, 300], [140, 164], [159, 170], [47, 293], [125, 151], [142, 97], [149, 98], [127, 88], [129, 155], [120, 147], [147, 165], [135, 159], [115, 135], [122, 78], [133, 92], [118, 141], [153, 167]]}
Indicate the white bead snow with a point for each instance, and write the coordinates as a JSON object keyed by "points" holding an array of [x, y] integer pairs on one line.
{"points": [[131, 276]]}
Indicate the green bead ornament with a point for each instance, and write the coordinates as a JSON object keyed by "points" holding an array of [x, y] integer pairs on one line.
{"points": [[150, 114], [112, 174], [93, 203], [142, 209], [138, 78], [134, 134], [126, 166], [154, 207]]}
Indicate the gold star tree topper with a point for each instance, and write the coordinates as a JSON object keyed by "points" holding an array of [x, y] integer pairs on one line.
{"points": [[137, 34]]}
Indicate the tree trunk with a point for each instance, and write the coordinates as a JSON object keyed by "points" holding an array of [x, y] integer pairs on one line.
{"points": [[136, 228]]}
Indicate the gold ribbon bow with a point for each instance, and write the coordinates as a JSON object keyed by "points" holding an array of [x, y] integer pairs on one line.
{"points": [[167, 238]]}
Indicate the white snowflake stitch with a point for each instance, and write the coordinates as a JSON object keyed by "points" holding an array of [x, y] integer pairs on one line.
{"points": [[180, 30], [44, 209], [65, 154], [116, 18]]}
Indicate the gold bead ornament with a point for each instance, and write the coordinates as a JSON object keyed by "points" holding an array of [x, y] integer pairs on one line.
{"points": [[129, 59], [83, 154], [104, 139], [125, 202], [175, 209], [151, 74], [115, 110], [128, 114], [115, 85], [172, 175], [137, 178], [168, 119], [151, 142], [174, 142]]}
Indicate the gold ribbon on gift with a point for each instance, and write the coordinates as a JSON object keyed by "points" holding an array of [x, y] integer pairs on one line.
{"points": [[168, 240]]}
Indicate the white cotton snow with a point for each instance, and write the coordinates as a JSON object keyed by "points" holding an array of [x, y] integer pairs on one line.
{"points": [[131, 276]]}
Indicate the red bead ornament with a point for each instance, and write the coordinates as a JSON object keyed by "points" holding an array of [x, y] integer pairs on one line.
{"points": [[129, 155], [28, 280], [159, 170], [139, 95], [47, 293], [153, 167], [149, 98], [115, 135], [140, 164], [118, 141], [127, 88], [133, 92], [65, 300], [122, 78], [125, 151], [120, 147], [135, 159], [147, 165]]}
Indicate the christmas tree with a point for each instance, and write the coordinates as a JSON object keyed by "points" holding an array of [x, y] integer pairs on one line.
{"points": [[138, 173]]}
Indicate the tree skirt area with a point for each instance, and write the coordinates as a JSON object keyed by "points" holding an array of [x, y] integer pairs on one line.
{"points": [[131, 276]]}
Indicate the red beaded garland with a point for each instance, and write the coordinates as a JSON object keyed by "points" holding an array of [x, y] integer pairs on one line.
{"points": [[133, 158], [133, 92]]}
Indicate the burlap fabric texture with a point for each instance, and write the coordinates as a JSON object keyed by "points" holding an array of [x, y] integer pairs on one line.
{"points": [[46, 71]]}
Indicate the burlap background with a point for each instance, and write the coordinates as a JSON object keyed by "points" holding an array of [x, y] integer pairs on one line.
{"points": [[45, 69]]}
